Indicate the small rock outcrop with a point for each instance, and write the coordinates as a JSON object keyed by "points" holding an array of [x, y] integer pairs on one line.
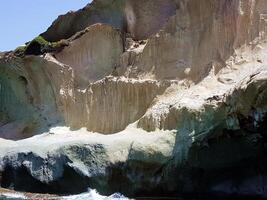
{"points": [[166, 96]]}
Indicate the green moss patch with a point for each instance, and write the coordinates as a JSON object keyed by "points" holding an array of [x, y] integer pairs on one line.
{"points": [[19, 51], [40, 46]]}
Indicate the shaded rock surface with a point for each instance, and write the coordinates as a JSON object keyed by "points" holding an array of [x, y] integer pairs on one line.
{"points": [[172, 94], [59, 159]]}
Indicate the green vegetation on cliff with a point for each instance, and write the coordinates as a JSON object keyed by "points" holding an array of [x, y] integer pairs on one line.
{"points": [[19, 51], [39, 46]]}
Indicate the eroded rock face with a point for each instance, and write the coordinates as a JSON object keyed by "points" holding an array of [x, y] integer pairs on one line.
{"points": [[96, 161], [104, 106], [94, 55], [183, 82], [140, 19], [100, 11], [109, 105], [201, 34], [29, 100], [145, 18]]}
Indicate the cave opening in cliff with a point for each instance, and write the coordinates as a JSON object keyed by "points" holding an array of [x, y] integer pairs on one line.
{"points": [[19, 179]]}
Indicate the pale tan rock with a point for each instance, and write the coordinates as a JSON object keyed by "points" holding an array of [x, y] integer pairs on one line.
{"points": [[139, 18], [29, 95], [186, 90], [201, 33], [210, 102], [108, 106], [145, 18], [99, 11], [206, 43], [94, 55]]}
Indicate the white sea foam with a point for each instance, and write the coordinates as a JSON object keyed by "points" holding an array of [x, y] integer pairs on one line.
{"points": [[11, 196], [90, 195], [94, 195]]}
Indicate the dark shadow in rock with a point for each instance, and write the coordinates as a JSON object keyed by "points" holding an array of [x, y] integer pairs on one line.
{"points": [[136, 179], [231, 166], [70, 183], [20, 180], [34, 48]]}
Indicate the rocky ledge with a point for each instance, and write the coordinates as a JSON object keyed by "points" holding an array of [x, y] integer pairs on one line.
{"points": [[145, 98]]}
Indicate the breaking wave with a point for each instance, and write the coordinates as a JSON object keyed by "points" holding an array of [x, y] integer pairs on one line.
{"points": [[90, 195]]}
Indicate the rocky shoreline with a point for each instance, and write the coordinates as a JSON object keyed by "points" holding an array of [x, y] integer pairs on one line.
{"points": [[145, 98]]}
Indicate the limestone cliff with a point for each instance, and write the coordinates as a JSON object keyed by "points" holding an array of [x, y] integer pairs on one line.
{"points": [[175, 92]]}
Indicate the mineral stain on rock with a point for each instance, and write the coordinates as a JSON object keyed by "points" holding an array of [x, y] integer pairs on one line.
{"points": [[156, 98]]}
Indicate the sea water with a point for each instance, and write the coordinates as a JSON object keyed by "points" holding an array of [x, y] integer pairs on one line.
{"points": [[90, 195]]}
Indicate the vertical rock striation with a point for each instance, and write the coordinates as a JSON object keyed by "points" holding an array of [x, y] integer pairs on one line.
{"points": [[174, 91]]}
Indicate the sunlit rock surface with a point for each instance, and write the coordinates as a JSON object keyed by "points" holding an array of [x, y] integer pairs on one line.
{"points": [[162, 98], [94, 55]]}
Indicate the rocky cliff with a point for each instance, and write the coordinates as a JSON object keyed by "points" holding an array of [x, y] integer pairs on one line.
{"points": [[161, 97]]}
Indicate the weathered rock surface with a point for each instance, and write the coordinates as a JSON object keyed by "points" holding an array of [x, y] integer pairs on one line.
{"points": [[40, 93], [61, 158], [94, 55], [27, 98], [103, 11], [140, 18], [174, 91]]}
